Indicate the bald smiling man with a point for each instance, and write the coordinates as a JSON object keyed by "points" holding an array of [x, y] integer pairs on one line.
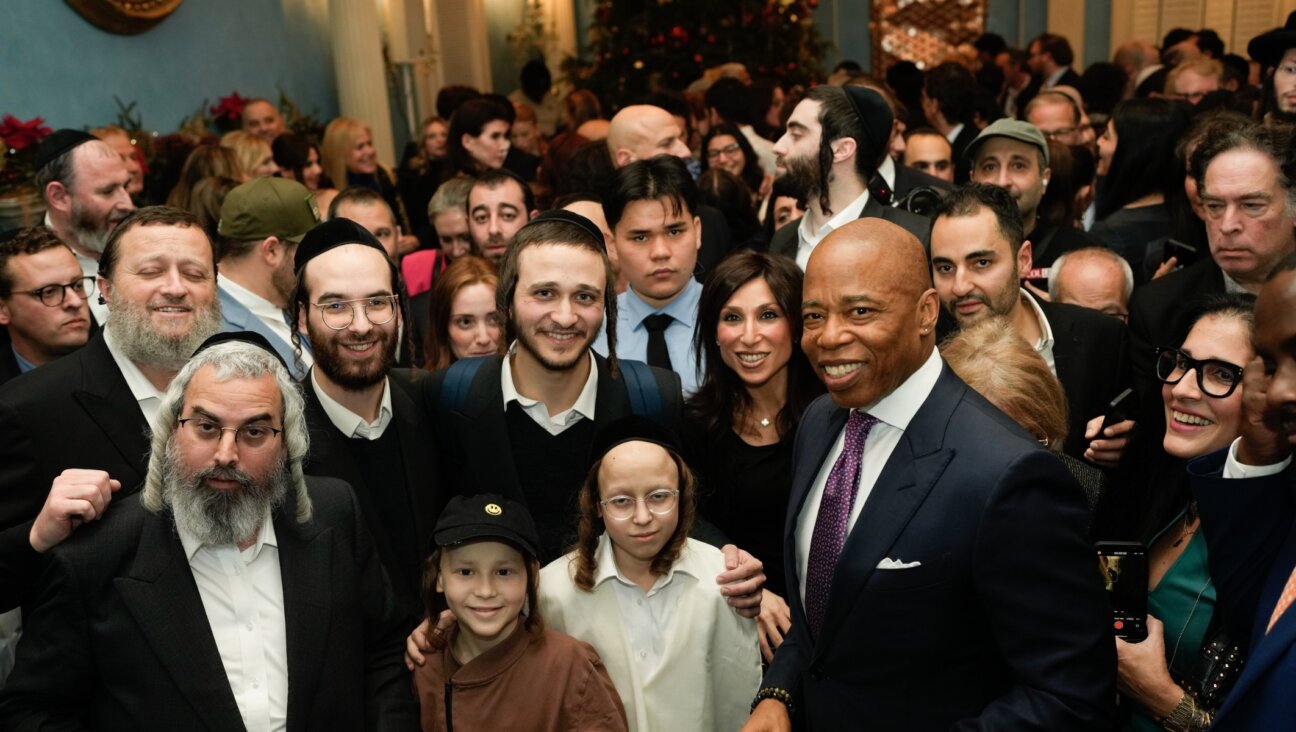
{"points": [[938, 552]]}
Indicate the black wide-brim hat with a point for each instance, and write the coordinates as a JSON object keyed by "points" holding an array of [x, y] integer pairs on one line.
{"points": [[1268, 48]]}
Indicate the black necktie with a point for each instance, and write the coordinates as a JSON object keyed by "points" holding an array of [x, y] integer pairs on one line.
{"points": [[657, 354]]}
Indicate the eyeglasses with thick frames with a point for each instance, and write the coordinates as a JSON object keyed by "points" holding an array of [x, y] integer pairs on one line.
{"points": [[339, 314], [1215, 378], [54, 295], [729, 149], [250, 436], [622, 508]]}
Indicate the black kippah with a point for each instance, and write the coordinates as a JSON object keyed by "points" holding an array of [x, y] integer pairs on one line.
{"points": [[59, 142], [571, 217], [244, 336], [331, 234], [875, 117], [633, 428]]}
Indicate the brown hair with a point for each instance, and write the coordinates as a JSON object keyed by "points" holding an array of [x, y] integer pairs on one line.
{"points": [[591, 525], [534, 621], [26, 242], [463, 272], [1004, 369], [205, 161]]}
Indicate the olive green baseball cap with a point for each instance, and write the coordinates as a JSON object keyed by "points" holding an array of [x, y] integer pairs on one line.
{"points": [[1013, 129], [267, 207]]}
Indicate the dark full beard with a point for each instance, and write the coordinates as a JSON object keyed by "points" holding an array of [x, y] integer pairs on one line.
{"points": [[221, 517], [527, 340], [802, 175], [139, 341], [326, 349]]}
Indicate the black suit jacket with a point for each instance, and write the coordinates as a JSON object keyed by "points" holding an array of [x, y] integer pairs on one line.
{"points": [[1160, 315], [330, 456], [118, 638], [962, 165], [907, 179], [1069, 78], [1251, 539], [8, 364], [1089, 354], [76, 412], [476, 453], [1002, 625], [787, 239]]}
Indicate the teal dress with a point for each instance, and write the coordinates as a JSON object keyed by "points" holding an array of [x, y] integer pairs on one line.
{"points": [[1184, 601]]}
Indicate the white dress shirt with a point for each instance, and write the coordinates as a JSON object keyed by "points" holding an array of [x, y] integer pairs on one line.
{"points": [[242, 593], [1234, 468], [146, 395], [807, 240], [554, 424], [893, 412], [887, 169], [267, 312], [954, 133], [647, 615], [1044, 346], [348, 422]]}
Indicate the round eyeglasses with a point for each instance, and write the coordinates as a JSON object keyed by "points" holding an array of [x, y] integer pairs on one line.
{"points": [[250, 436], [54, 295], [1215, 378], [339, 314], [622, 508]]}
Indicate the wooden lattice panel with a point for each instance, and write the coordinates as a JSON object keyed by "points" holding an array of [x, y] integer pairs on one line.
{"points": [[923, 31]]}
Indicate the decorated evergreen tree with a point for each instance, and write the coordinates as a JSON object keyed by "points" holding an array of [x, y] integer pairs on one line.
{"points": [[638, 47]]}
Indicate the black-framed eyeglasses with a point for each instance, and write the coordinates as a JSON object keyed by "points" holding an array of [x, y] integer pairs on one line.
{"points": [[1215, 378], [339, 314], [251, 436], [729, 149], [54, 295]]}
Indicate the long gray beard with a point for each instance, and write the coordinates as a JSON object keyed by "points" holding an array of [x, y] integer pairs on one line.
{"points": [[141, 343], [221, 517]]}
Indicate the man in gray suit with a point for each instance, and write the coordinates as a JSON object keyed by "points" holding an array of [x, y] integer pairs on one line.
{"points": [[262, 222]]}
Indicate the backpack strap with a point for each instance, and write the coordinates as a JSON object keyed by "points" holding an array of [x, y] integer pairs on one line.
{"points": [[458, 380], [641, 387]]}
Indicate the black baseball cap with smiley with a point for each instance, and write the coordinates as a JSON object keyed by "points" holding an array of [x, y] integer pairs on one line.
{"points": [[487, 516]]}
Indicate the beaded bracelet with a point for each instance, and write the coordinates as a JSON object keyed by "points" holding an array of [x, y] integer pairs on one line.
{"points": [[782, 695]]}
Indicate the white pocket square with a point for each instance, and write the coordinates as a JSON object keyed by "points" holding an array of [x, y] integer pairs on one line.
{"points": [[889, 563]]}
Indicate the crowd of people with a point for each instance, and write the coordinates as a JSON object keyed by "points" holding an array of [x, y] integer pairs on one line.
{"points": [[753, 407]]}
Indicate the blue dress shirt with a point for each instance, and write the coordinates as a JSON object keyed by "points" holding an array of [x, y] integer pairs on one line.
{"points": [[632, 336]]}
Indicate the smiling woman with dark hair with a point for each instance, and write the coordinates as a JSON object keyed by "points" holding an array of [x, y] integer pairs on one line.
{"points": [[738, 427]]}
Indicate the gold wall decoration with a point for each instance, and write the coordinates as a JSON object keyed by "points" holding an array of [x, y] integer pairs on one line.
{"points": [[923, 31], [125, 17]]}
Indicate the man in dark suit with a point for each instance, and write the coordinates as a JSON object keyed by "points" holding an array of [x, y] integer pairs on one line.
{"points": [[978, 259], [853, 124], [43, 298], [366, 427], [91, 409], [1050, 58], [265, 607], [957, 589], [1244, 164], [1244, 494]]}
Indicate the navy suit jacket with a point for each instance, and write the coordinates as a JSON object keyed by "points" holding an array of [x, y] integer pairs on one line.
{"points": [[1251, 544], [236, 318], [1003, 625]]}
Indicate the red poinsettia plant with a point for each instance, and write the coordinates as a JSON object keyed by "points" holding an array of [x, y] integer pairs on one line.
{"points": [[227, 114], [20, 140]]}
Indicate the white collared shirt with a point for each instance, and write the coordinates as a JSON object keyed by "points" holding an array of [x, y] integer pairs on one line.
{"points": [[893, 412], [264, 310], [1234, 468], [147, 396], [887, 169], [554, 424], [808, 240], [647, 616], [348, 422], [242, 593], [954, 133], [1044, 346]]}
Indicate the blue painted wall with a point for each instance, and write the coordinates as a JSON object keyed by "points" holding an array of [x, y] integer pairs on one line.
{"points": [[55, 65]]}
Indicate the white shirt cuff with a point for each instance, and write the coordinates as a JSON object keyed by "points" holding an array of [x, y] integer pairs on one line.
{"points": [[1233, 468]]}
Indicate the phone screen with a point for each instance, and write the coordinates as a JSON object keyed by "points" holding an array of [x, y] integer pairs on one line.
{"points": [[1125, 576]]}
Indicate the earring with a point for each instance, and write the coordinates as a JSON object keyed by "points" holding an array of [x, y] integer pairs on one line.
{"points": [[717, 341]]}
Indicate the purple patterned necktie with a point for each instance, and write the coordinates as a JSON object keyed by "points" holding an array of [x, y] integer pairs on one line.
{"points": [[834, 513]]}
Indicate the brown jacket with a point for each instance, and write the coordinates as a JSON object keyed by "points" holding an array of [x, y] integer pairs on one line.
{"points": [[553, 682]]}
